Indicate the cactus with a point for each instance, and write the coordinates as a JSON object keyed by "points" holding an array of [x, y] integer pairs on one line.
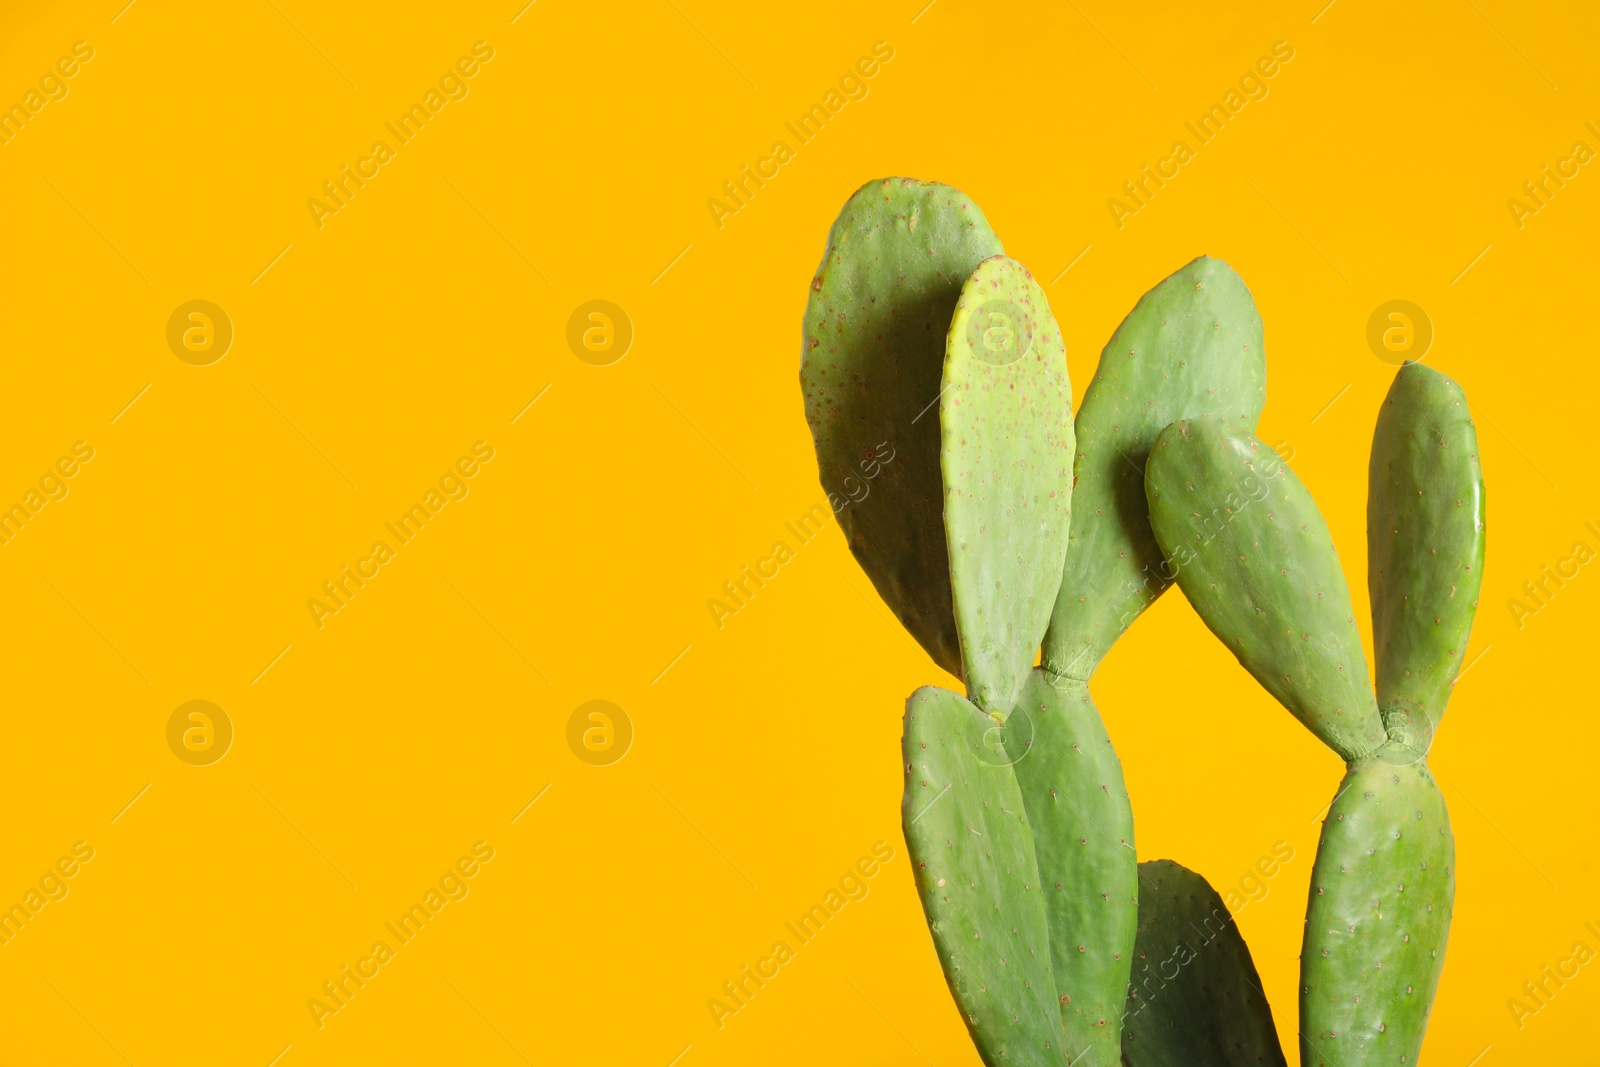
{"points": [[1210, 1010], [978, 879], [870, 366], [1014, 809], [1191, 345], [1256, 560], [1007, 445], [1006, 410]]}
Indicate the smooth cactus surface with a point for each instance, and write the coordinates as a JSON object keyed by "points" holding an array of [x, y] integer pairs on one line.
{"points": [[978, 879], [1254, 557], [1196, 999], [1425, 546], [871, 365], [1006, 412], [1191, 346], [1077, 806], [1378, 917]]}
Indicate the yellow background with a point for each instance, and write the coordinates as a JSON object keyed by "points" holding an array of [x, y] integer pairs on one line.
{"points": [[429, 712]]}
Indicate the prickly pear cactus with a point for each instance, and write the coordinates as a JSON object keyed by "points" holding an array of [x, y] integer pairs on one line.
{"points": [[1070, 781], [1260, 569], [1383, 885], [1006, 412], [1378, 916], [1192, 346], [978, 879], [1425, 546], [871, 363], [1254, 557], [1195, 999]]}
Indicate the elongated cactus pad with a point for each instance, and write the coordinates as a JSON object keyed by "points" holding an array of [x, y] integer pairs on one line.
{"points": [[978, 879], [1425, 546], [1192, 346], [1379, 914], [1255, 558], [1006, 412], [1196, 999], [1077, 806], [872, 359]]}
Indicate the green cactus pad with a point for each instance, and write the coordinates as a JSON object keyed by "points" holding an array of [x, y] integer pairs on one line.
{"points": [[1425, 546], [1192, 346], [1006, 413], [1379, 914], [978, 880], [872, 357], [1077, 806], [1255, 558], [1195, 999]]}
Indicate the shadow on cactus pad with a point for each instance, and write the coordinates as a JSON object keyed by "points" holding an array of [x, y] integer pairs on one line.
{"points": [[1195, 999]]}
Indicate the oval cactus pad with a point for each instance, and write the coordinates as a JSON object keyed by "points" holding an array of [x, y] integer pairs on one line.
{"points": [[1425, 544], [1255, 559], [1190, 347], [1006, 414], [1378, 917], [978, 880], [872, 357]]}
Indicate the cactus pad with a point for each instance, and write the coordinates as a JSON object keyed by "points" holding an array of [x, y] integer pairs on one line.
{"points": [[1379, 914], [1006, 413], [978, 879], [1425, 546], [872, 356], [1195, 999], [1192, 346], [1255, 558], [1077, 806]]}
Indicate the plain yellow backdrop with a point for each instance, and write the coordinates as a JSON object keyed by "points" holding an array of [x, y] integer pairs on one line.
{"points": [[370, 353]]}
